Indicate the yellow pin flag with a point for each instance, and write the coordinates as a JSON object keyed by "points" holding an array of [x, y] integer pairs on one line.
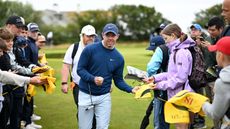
{"points": [[190, 100], [39, 69], [175, 114], [43, 59], [50, 87], [30, 92], [144, 92], [50, 72]]}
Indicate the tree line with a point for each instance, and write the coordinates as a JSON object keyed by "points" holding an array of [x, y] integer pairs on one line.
{"points": [[135, 22]]}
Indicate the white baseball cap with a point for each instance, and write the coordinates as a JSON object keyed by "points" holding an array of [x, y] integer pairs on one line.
{"points": [[88, 30]]}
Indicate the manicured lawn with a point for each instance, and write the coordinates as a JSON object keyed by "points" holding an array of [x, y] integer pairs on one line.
{"points": [[58, 110]]}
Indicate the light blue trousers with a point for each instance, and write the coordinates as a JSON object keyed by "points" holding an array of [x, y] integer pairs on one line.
{"points": [[101, 108]]}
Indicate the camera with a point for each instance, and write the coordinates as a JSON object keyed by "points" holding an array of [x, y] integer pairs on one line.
{"points": [[201, 38]]}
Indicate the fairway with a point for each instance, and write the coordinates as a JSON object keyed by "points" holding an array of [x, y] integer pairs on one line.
{"points": [[58, 110]]}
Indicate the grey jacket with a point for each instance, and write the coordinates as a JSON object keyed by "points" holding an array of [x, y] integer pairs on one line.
{"points": [[221, 101], [15, 66], [13, 79]]}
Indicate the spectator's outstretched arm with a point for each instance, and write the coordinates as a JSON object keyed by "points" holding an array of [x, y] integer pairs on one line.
{"points": [[14, 79]]}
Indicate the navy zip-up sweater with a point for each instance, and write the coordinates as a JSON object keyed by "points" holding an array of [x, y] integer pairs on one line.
{"points": [[96, 60], [31, 51]]}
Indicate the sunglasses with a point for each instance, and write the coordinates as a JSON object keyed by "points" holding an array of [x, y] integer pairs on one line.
{"points": [[90, 36], [42, 41]]}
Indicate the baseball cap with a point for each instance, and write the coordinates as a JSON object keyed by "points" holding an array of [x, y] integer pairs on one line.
{"points": [[196, 26], [32, 27], [110, 27], [155, 42], [41, 39], [162, 26], [88, 30], [21, 41], [16, 20], [222, 45]]}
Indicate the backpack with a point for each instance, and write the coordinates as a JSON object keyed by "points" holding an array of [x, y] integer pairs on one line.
{"points": [[75, 48], [164, 64], [197, 79]]}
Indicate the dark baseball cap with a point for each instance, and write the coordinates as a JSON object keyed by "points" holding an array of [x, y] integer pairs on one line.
{"points": [[155, 42], [33, 27], [110, 27], [16, 20]]}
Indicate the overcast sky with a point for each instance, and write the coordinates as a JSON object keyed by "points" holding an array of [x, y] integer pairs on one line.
{"points": [[178, 11]]}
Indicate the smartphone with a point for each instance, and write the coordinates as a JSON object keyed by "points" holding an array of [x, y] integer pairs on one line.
{"points": [[201, 39]]}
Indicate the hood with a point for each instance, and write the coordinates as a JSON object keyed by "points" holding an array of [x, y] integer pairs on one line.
{"points": [[224, 74], [173, 44], [187, 43]]}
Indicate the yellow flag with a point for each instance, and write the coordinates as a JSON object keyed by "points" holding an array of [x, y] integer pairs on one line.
{"points": [[175, 114], [50, 87], [190, 100], [30, 92], [43, 59], [144, 92], [35, 70]]}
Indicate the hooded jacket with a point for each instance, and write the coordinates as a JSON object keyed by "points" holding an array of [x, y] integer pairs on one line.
{"points": [[221, 101], [176, 78]]}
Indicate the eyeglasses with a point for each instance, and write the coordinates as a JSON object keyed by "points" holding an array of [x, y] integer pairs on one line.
{"points": [[90, 36], [42, 41]]}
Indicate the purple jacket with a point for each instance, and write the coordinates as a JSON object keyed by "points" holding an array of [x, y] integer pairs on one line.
{"points": [[178, 72]]}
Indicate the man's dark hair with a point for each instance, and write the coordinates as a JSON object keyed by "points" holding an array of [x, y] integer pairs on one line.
{"points": [[216, 21]]}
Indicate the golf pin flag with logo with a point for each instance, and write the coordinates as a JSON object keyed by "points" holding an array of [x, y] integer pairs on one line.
{"points": [[175, 114], [190, 100], [177, 108]]}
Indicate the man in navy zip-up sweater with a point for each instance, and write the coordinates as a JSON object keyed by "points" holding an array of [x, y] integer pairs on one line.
{"points": [[98, 65]]}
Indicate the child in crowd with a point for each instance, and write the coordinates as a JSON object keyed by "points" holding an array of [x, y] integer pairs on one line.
{"points": [[179, 67], [222, 85]]}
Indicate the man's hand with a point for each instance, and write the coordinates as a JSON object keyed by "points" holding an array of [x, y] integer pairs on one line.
{"points": [[36, 80], [205, 44], [64, 88], [135, 89], [98, 80], [149, 80]]}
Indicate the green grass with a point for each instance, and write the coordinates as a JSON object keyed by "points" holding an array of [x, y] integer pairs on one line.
{"points": [[58, 110]]}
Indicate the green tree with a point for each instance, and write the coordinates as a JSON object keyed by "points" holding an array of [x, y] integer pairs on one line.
{"points": [[203, 16], [97, 18], [136, 22], [8, 8]]}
